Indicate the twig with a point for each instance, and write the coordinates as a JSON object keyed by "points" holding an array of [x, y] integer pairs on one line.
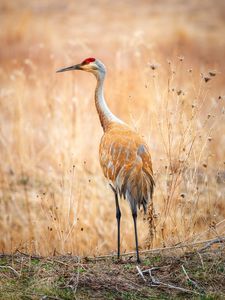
{"points": [[212, 242], [152, 269], [140, 273], [156, 250], [14, 271], [193, 283], [28, 255], [156, 282]]}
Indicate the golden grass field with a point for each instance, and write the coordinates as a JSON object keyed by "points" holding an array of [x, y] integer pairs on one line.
{"points": [[165, 62]]}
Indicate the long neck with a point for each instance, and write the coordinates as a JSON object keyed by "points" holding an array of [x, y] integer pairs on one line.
{"points": [[105, 115]]}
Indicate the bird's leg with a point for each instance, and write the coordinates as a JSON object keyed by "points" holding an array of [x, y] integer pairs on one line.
{"points": [[118, 216], [134, 214]]}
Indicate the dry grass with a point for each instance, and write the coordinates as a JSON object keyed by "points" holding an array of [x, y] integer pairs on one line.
{"points": [[53, 197]]}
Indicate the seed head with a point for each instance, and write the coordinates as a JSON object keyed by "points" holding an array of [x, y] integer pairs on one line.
{"points": [[179, 92], [206, 78], [181, 58], [212, 73], [153, 66]]}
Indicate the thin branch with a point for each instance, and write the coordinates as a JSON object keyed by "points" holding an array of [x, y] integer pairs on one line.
{"points": [[152, 269], [156, 250], [11, 268], [140, 273], [28, 255], [155, 282], [192, 282], [212, 242]]}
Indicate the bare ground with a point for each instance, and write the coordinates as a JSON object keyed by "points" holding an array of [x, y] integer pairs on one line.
{"points": [[198, 274]]}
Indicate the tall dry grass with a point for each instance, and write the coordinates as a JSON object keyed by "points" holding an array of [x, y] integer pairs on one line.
{"points": [[54, 198]]}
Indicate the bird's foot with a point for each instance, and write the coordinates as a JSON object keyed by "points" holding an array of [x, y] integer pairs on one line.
{"points": [[138, 260]]}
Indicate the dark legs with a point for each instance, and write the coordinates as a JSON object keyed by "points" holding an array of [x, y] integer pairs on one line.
{"points": [[118, 216], [134, 214]]}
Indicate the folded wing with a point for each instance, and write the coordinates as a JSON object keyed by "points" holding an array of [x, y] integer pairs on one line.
{"points": [[126, 163]]}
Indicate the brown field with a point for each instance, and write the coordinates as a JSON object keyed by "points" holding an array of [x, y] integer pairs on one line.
{"points": [[166, 67]]}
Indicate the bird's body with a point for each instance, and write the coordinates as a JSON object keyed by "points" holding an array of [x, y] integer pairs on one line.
{"points": [[124, 156], [126, 163]]}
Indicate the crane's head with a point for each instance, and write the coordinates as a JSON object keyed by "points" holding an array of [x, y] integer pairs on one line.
{"points": [[89, 65]]}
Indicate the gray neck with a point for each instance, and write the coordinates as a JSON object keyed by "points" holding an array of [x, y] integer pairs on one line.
{"points": [[105, 115]]}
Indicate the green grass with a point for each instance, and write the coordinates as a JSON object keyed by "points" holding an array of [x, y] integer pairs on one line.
{"points": [[23, 277]]}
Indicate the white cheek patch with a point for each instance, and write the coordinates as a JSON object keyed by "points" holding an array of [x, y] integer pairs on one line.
{"points": [[89, 67], [93, 66]]}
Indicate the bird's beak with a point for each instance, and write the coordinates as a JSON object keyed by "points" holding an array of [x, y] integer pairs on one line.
{"points": [[75, 67]]}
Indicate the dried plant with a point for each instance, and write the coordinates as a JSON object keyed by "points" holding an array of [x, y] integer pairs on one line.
{"points": [[53, 197]]}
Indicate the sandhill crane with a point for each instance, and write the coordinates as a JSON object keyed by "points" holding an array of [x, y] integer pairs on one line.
{"points": [[124, 155]]}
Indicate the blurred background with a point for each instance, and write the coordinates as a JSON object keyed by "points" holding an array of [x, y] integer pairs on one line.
{"points": [[165, 63]]}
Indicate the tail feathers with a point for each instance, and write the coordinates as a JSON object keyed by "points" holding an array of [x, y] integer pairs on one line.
{"points": [[135, 185]]}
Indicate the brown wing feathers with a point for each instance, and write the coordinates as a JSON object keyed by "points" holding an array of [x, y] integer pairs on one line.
{"points": [[126, 162]]}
